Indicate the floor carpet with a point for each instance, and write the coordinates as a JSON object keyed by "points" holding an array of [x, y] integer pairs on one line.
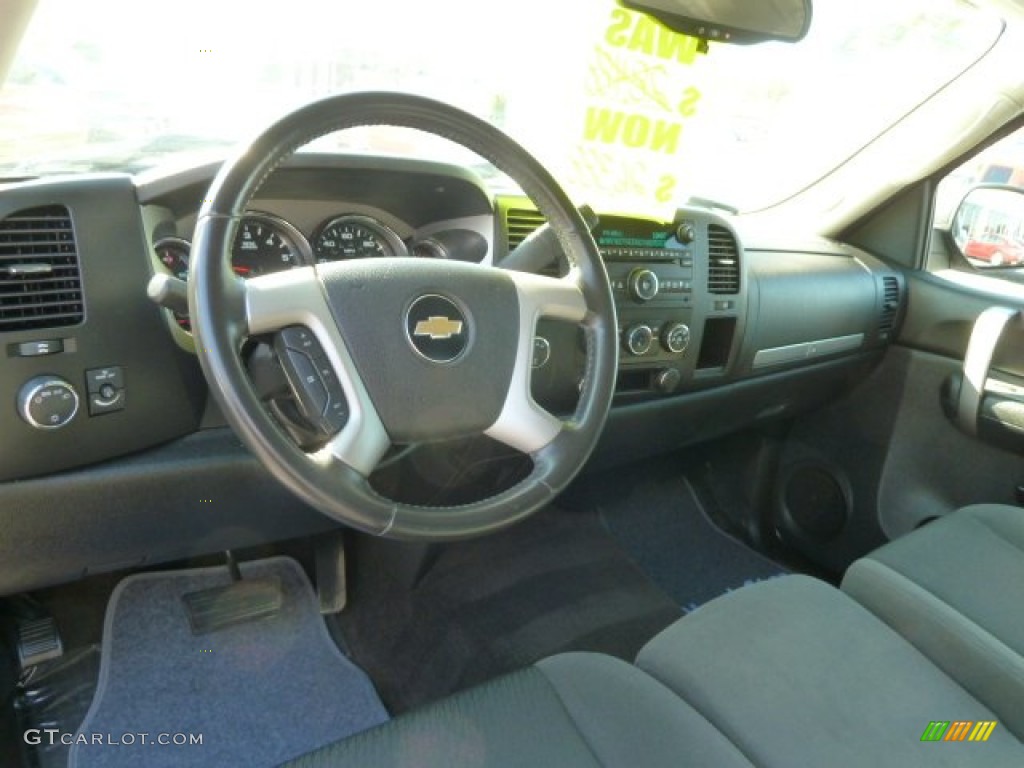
{"points": [[556, 582], [257, 693]]}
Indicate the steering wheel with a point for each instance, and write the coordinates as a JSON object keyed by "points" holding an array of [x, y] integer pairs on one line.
{"points": [[423, 349]]}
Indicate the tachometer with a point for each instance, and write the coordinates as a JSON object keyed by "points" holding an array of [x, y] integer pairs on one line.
{"points": [[356, 237], [266, 244]]}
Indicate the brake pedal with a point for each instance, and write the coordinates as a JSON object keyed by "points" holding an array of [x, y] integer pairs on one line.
{"points": [[38, 641]]}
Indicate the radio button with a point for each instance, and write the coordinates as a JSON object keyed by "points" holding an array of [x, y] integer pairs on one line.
{"points": [[643, 284]]}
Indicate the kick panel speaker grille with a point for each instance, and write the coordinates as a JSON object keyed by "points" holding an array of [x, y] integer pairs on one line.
{"points": [[40, 280], [816, 502]]}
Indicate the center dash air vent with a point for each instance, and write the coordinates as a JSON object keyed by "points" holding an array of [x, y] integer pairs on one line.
{"points": [[723, 261], [890, 305], [519, 223], [40, 283]]}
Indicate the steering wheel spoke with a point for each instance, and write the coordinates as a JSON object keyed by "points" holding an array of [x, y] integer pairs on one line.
{"points": [[523, 424], [540, 296], [293, 299]]}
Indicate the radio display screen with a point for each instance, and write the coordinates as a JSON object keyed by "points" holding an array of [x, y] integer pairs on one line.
{"points": [[623, 232]]}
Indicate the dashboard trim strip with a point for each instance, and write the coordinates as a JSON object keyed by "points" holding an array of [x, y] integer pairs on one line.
{"points": [[807, 350]]}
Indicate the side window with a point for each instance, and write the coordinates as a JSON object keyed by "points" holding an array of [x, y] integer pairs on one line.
{"points": [[981, 206]]}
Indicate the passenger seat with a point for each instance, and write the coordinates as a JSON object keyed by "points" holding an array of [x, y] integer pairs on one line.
{"points": [[787, 672], [955, 589], [793, 672], [574, 710]]}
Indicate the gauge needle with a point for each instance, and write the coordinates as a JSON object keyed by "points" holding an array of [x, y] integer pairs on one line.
{"points": [[242, 270]]}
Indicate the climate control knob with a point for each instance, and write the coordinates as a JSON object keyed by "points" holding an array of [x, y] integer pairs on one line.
{"points": [[642, 284], [675, 338], [638, 339], [47, 402]]}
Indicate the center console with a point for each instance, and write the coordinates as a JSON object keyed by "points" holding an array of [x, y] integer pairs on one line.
{"points": [[674, 283], [680, 294]]}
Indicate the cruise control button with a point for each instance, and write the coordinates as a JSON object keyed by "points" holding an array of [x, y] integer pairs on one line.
{"points": [[326, 371], [310, 389], [336, 415]]}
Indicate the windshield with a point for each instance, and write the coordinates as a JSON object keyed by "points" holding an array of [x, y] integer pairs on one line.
{"points": [[622, 112]]}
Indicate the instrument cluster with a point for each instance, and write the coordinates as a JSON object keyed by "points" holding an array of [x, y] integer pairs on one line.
{"points": [[266, 243]]}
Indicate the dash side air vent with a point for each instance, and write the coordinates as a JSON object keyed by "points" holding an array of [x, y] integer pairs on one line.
{"points": [[723, 261], [890, 305], [519, 223], [40, 282]]}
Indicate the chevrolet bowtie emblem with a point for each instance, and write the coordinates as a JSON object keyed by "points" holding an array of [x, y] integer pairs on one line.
{"points": [[438, 327]]}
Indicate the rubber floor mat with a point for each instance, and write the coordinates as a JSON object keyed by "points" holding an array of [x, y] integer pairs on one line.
{"points": [[254, 694]]}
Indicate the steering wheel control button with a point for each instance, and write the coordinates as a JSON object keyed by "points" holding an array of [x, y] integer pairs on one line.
{"points": [[312, 379], [310, 390], [638, 340], [437, 329], [643, 284], [105, 387], [40, 348], [47, 402], [301, 339], [541, 352], [675, 338]]}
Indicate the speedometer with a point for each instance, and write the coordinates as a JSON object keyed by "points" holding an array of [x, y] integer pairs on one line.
{"points": [[266, 244], [356, 237]]}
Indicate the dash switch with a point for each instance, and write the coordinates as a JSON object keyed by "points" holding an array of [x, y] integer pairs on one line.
{"points": [[105, 387]]}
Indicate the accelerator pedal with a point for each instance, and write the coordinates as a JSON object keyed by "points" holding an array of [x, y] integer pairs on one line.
{"points": [[240, 601]]}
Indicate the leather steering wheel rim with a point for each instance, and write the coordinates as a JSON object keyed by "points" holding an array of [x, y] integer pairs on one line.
{"points": [[226, 310]]}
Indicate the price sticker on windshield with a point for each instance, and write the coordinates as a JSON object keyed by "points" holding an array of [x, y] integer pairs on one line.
{"points": [[640, 93]]}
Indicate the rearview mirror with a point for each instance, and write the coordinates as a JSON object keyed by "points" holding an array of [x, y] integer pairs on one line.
{"points": [[988, 227], [731, 21]]}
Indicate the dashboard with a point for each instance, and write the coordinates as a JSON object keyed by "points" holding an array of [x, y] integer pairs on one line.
{"points": [[720, 330]]}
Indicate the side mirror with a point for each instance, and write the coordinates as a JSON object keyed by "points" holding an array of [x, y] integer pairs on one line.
{"points": [[988, 227]]}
